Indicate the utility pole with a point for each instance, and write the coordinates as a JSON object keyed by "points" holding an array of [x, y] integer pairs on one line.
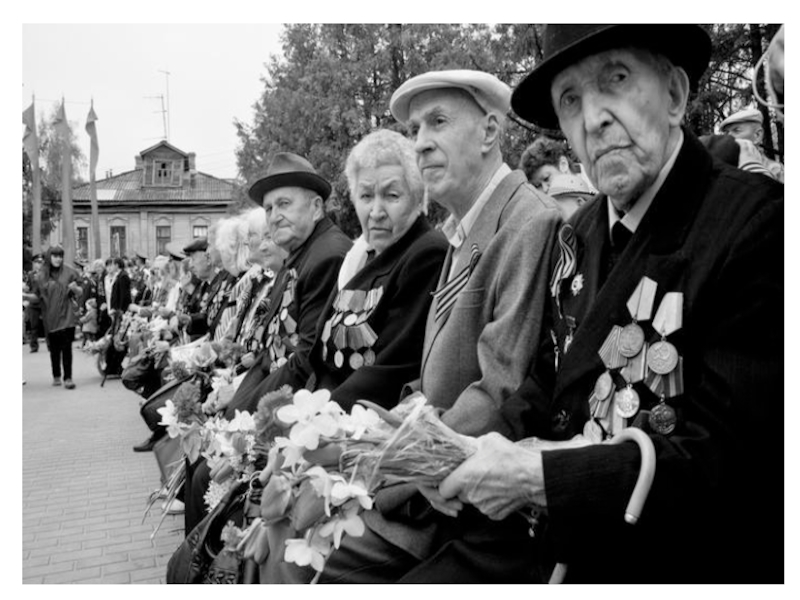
{"points": [[169, 114]]}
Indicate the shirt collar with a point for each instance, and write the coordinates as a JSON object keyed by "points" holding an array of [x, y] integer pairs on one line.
{"points": [[456, 232], [633, 217]]}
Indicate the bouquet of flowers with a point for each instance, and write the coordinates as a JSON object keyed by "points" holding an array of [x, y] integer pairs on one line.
{"points": [[327, 470]]}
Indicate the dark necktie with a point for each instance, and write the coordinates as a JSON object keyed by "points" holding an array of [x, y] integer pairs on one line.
{"points": [[620, 236]]}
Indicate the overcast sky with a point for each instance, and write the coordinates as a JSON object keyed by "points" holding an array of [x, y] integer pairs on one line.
{"points": [[214, 77]]}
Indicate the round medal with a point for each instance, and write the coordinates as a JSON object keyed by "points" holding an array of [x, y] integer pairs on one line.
{"points": [[294, 339], [287, 298], [338, 359], [350, 319], [631, 340], [369, 357], [663, 419], [284, 314], [281, 361], [337, 318], [593, 432], [626, 402], [603, 386], [662, 357], [356, 361]]}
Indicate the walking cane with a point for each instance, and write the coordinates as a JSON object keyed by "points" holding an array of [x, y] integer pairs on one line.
{"points": [[647, 471]]}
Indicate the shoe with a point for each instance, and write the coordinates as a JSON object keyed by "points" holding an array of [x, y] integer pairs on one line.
{"points": [[56, 380], [68, 384], [146, 446], [176, 507], [34, 349]]}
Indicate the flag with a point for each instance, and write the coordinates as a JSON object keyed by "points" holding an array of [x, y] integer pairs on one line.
{"points": [[61, 124], [30, 140], [91, 129]]}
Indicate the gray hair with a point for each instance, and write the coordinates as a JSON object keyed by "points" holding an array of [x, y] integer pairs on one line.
{"points": [[386, 147]]}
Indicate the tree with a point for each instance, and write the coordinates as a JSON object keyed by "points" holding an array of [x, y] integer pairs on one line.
{"points": [[50, 157], [334, 82]]}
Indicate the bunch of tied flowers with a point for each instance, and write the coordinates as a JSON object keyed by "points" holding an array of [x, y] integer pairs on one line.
{"points": [[325, 472]]}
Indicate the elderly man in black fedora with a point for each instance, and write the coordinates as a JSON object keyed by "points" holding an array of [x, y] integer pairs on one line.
{"points": [[667, 311], [293, 194]]}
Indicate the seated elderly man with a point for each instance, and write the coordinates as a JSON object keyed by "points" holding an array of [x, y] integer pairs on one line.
{"points": [[669, 321], [484, 326], [293, 195]]}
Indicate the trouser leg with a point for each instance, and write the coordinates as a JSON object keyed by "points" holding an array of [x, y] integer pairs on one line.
{"points": [[66, 351], [55, 353], [198, 476]]}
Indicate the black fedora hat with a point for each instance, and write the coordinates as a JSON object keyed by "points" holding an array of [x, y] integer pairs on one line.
{"points": [[289, 170], [687, 46]]}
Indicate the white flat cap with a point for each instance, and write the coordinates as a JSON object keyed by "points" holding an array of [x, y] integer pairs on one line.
{"points": [[569, 184], [743, 116], [491, 94]]}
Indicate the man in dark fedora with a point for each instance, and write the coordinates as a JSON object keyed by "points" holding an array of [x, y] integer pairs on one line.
{"points": [[668, 318], [293, 194]]}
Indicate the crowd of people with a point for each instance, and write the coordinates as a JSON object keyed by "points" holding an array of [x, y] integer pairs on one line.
{"points": [[628, 275]]}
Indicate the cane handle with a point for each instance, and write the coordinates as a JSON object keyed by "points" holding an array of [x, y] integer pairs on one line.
{"points": [[647, 470]]}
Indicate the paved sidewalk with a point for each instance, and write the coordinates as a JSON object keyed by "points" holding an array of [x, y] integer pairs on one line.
{"points": [[84, 490]]}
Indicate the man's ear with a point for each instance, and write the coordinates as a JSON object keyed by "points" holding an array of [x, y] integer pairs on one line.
{"points": [[491, 131], [319, 207], [759, 135], [678, 88]]}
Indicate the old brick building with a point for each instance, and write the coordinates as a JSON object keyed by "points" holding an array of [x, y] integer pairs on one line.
{"points": [[164, 199]]}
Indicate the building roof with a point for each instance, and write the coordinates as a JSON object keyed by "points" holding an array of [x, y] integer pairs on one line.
{"points": [[127, 187]]}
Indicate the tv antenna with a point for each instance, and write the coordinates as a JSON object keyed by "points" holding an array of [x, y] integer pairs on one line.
{"points": [[163, 112], [168, 119]]}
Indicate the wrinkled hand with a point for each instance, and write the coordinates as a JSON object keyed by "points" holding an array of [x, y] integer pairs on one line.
{"points": [[248, 360], [164, 313], [449, 507], [498, 479]]}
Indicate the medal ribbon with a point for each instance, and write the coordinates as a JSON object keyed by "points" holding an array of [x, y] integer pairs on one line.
{"points": [[446, 296], [609, 351], [634, 370], [565, 267], [666, 386], [669, 317], [640, 304]]}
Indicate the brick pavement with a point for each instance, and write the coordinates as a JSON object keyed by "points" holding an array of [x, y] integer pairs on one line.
{"points": [[84, 490]]}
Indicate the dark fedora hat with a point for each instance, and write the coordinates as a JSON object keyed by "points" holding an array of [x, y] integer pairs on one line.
{"points": [[289, 170], [687, 46], [198, 245]]}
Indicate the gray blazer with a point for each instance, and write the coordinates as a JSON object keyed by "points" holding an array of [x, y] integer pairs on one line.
{"points": [[478, 354]]}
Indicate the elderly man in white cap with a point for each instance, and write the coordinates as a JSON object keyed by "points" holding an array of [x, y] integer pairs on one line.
{"points": [[484, 327], [748, 126]]}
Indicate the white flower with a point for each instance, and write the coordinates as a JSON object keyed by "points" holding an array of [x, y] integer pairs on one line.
{"points": [[313, 416], [170, 418], [342, 491], [351, 524], [216, 492], [292, 453], [242, 421], [361, 420], [303, 553], [577, 284]]}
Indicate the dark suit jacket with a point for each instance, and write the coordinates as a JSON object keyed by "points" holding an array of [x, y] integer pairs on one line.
{"points": [[407, 273], [714, 513], [120, 292], [316, 264]]}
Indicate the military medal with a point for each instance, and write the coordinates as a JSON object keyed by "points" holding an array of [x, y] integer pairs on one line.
{"points": [[350, 320], [603, 386], [640, 307], [662, 357], [356, 361], [338, 359], [626, 402], [294, 339], [663, 418], [369, 357]]}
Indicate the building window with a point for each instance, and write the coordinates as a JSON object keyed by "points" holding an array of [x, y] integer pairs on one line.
{"points": [[199, 231], [163, 237], [164, 172], [82, 249], [118, 242]]}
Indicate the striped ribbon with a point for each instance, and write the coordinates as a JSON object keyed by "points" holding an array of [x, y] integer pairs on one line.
{"points": [[565, 267], [446, 296]]}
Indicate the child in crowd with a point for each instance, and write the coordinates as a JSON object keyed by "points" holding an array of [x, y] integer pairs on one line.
{"points": [[89, 322]]}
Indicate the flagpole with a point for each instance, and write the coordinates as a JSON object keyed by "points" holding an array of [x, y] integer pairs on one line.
{"points": [[91, 128], [68, 229], [36, 237]]}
